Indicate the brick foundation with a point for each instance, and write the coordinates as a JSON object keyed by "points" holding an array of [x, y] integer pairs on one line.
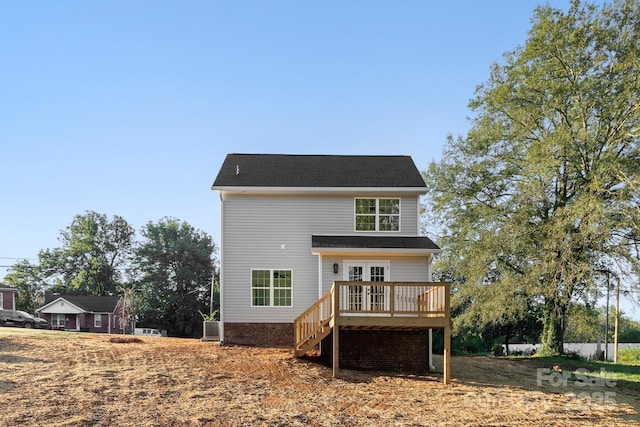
{"points": [[390, 351], [259, 334]]}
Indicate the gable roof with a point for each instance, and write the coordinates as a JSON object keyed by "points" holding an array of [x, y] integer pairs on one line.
{"points": [[89, 303], [325, 171]]}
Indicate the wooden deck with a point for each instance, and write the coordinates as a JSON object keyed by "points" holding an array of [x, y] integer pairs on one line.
{"points": [[375, 305]]}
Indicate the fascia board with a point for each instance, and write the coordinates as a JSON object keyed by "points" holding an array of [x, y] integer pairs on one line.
{"points": [[320, 190], [374, 251], [78, 309]]}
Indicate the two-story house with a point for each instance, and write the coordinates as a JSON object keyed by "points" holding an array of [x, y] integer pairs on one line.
{"points": [[314, 244]]}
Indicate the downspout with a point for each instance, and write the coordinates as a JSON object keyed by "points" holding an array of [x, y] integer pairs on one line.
{"points": [[319, 276], [221, 325]]}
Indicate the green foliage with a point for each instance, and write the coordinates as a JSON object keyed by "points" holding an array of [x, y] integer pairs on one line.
{"points": [[214, 316], [25, 277], [94, 253], [176, 264], [584, 323], [166, 278], [628, 330], [629, 355], [543, 190]]}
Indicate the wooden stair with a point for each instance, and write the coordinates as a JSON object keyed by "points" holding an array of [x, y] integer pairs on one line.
{"points": [[312, 326]]}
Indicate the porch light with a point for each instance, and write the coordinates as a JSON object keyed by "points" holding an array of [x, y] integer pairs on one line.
{"points": [[335, 268]]}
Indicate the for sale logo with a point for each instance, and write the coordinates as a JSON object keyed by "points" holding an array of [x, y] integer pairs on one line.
{"points": [[595, 384]]}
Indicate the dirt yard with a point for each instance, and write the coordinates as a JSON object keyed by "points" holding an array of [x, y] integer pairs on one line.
{"points": [[68, 379]]}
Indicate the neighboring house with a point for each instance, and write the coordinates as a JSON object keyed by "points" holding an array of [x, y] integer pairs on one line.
{"points": [[85, 313], [306, 241], [8, 296]]}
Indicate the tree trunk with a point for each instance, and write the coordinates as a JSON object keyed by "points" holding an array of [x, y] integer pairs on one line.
{"points": [[552, 334]]}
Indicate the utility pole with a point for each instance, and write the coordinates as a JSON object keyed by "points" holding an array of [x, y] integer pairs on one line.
{"points": [[615, 336], [606, 324]]}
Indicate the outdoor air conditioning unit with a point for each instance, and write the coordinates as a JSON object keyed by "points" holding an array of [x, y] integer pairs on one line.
{"points": [[211, 330]]}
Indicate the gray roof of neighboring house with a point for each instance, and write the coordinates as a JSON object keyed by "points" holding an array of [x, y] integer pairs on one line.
{"points": [[289, 170], [373, 242], [4, 287], [91, 303]]}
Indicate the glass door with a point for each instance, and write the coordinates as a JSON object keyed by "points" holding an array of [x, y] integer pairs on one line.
{"points": [[367, 298]]}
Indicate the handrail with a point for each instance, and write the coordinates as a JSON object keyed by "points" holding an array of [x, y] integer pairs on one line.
{"points": [[365, 299], [307, 324], [393, 298]]}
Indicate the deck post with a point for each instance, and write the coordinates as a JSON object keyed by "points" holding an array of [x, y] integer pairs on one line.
{"points": [[447, 335], [336, 330], [447, 355]]}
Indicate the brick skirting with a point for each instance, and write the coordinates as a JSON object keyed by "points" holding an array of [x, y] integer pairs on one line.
{"points": [[259, 334], [390, 351]]}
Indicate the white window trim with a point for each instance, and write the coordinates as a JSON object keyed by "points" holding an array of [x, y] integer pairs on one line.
{"points": [[366, 264], [1, 300], [97, 320], [271, 288], [377, 214]]}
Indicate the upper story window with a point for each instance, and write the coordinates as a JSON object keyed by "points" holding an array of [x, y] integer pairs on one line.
{"points": [[377, 214], [271, 288]]}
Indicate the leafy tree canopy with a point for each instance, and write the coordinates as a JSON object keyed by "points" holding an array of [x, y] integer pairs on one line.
{"points": [[94, 253], [26, 278], [177, 264], [543, 191]]}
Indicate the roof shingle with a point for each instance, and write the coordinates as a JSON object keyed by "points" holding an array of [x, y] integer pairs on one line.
{"points": [[288, 170], [374, 242]]}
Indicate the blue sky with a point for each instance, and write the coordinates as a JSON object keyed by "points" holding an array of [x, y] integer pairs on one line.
{"points": [[128, 108]]}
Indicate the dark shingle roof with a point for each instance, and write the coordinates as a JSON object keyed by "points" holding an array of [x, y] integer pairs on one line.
{"points": [[373, 242], [4, 287], [90, 303], [287, 170]]}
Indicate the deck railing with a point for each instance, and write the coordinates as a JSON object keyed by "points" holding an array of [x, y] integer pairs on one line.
{"points": [[385, 305], [311, 323], [406, 299]]}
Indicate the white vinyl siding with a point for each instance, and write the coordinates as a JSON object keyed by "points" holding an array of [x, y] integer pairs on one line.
{"points": [[399, 269], [282, 238]]}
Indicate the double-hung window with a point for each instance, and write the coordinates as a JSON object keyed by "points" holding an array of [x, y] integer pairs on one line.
{"points": [[377, 214], [97, 320], [271, 288]]}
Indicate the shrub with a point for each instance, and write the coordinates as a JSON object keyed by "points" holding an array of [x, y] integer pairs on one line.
{"points": [[629, 355], [497, 350], [573, 355]]}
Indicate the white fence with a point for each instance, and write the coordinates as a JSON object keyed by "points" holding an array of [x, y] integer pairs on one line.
{"points": [[586, 350]]}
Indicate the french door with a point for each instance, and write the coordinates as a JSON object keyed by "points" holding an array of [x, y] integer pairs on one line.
{"points": [[369, 298]]}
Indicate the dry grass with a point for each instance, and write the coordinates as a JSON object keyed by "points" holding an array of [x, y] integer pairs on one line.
{"points": [[68, 379]]}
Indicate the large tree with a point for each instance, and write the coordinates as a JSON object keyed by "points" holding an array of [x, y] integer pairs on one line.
{"points": [[25, 277], [543, 191], [94, 255], [177, 264]]}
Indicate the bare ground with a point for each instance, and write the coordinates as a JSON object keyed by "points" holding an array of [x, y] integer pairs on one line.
{"points": [[68, 379]]}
